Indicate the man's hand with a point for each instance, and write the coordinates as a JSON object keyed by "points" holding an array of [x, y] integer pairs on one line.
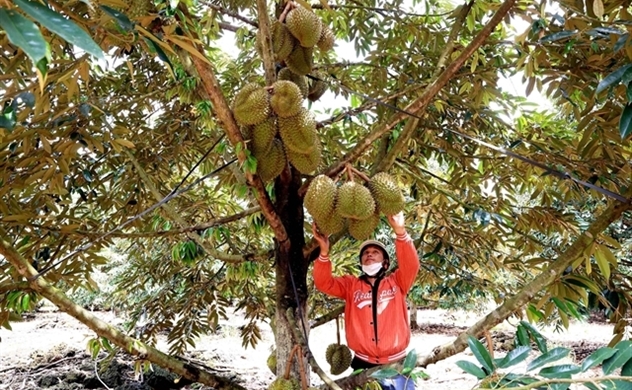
{"points": [[397, 222], [322, 239]]}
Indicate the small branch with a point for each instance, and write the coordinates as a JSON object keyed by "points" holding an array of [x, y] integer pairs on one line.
{"points": [[456, 28], [322, 320], [361, 174], [96, 373], [17, 286], [265, 40], [226, 12]]}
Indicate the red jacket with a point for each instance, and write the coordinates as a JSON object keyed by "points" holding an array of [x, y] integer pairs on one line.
{"points": [[377, 327]]}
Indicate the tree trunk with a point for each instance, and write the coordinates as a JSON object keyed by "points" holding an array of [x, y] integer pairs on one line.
{"points": [[291, 273], [412, 315]]}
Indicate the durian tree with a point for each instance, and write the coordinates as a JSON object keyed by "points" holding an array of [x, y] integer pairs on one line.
{"points": [[126, 125]]}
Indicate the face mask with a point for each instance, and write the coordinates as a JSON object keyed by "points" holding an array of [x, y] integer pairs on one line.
{"points": [[372, 269]]}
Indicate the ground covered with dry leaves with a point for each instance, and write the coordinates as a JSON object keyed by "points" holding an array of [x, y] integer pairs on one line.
{"points": [[48, 351]]}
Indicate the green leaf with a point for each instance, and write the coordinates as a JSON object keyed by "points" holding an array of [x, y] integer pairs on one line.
{"points": [[602, 262], [592, 386], [522, 336], [411, 360], [61, 26], [551, 356], [24, 34], [597, 357], [515, 356], [153, 46], [558, 36], [122, 19], [626, 370], [561, 371], [625, 123], [617, 360], [480, 353], [612, 78], [540, 341], [385, 373], [471, 368]]}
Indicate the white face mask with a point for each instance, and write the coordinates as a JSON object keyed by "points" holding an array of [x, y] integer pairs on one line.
{"points": [[372, 269]]}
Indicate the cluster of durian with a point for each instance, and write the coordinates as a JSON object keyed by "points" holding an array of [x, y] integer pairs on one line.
{"points": [[277, 128], [339, 358], [356, 206]]}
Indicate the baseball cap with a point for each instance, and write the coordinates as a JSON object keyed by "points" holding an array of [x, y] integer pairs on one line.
{"points": [[376, 243]]}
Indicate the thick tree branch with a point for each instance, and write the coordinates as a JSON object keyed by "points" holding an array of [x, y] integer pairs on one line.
{"points": [[265, 40], [529, 291], [225, 115], [327, 317], [454, 33], [384, 163], [431, 91], [133, 346], [17, 286]]}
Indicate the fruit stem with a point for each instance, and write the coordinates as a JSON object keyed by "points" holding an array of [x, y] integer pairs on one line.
{"points": [[287, 9]]}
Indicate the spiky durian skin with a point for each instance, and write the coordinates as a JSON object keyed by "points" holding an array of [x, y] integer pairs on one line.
{"points": [[304, 25], [299, 80], [298, 132], [281, 384], [282, 41], [339, 358], [320, 198], [305, 162], [287, 99], [361, 230], [327, 39], [333, 224], [355, 201], [262, 135], [251, 105], [300, 60], [271, 362], [329, 352], [271, 164], [386, 193], [317, 87]]}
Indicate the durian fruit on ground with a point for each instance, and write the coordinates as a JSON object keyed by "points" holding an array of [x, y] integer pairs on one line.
{"points": [[271, 362], [320, 198], [305, 163], [251, 105], [271, 164], [281, 383], [282, 41], [286, 99], [301, 60], [386, 192], [262, 135], [355, 201], [339, 358], [304, 25], [298, 132], [299, 80], [317, 86], [363, 229]]}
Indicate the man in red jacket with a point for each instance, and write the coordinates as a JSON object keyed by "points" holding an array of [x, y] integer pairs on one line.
{"points": [[376, 314]]}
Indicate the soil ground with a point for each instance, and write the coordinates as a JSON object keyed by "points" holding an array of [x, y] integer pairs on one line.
{"points": [[48, 351]]}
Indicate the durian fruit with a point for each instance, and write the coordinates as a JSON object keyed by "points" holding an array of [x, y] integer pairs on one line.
{"points": [[317, 86], [300, 60], [320, 198], [332, 224], [263, 134], [361, 230], [281, 383], [355, 201], [282, 41], [271, 362], [299, 80], [305, 25], [286, 99], [271, 164], [386, 193], [339, 358], [251, 105], [327, 39], [305, 162], [298, 132]]}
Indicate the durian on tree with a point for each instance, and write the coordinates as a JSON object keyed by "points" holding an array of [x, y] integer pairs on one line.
{"points": [[87, 148]]}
